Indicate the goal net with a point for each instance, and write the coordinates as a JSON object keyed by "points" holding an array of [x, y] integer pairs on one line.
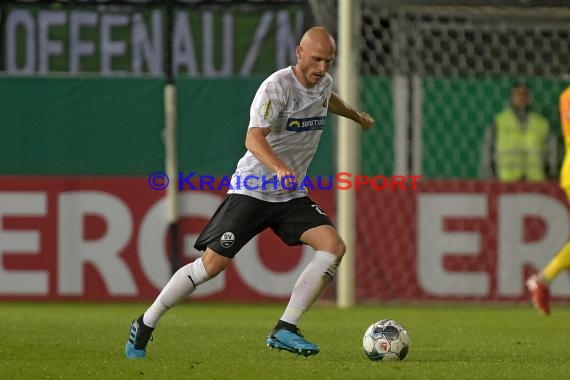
{"points": [[434, 77]]}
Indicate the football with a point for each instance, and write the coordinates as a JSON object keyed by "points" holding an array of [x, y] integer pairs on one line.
{"points": [[386, 340]]}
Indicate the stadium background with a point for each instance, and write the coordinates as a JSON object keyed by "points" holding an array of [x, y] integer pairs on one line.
{"points": [[81, 99]]}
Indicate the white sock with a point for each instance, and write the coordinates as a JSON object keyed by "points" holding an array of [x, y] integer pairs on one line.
{"points": [[180, 285], [310, 284]]}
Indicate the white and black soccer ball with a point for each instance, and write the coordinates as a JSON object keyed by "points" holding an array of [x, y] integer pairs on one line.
{"points": [[386, 340]]}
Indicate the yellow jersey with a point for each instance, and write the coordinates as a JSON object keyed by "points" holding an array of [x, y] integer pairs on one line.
{"points": [[565, 114], [565, 124]]}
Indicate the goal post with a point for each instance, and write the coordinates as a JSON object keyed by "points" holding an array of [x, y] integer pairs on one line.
{"points": [[348, 144]]}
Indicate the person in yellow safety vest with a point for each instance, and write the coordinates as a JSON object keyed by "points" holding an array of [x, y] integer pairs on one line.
{"points": [[518, 140]]}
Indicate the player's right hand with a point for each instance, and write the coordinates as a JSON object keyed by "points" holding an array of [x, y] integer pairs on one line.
{"points": [[287, 178], [365, 120]]}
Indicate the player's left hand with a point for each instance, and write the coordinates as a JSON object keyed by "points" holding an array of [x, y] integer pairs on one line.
{"points": [[365, 120]]}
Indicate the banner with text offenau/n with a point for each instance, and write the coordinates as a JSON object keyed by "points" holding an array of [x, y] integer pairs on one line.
{"points": [[109, 41]]}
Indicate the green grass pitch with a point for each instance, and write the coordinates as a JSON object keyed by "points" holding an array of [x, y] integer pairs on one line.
{"points": [[221, 341]]}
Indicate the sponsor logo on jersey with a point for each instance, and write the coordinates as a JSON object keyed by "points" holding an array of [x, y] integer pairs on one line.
{"points": [[307, 124], [325, 102]]}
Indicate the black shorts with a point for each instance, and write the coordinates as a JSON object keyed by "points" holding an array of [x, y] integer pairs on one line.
{"points": [[240, 217]]}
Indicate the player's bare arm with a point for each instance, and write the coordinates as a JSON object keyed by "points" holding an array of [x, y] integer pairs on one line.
{"points": [[256, 143], [339, 107]]}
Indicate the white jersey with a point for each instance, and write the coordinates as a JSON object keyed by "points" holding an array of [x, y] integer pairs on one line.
{"points": [[296, 116]]}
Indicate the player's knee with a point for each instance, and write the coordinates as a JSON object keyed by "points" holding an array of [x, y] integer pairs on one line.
{"points": [[340, 248], [336, 246], [325, 238], [216, 268]]}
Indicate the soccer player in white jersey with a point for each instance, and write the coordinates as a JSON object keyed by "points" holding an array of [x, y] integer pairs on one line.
{"points": [[287, 118]]}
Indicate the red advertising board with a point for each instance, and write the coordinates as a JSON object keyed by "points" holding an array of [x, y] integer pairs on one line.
{"points": [[100, 238], [105, 238], [459, 240]]}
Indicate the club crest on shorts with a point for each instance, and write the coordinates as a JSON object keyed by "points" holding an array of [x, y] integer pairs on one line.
{"points": [[227, 239]]}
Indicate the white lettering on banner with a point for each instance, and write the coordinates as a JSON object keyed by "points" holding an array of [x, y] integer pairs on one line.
{"points": [[20, 20], [255, 47], [134, 42], [77, 47], [25, 282], [109, 47], [154, 260], [183, 52], [227, 52], [434, 244], [148, 47], [103, 253], [48, 47], [514, 253]]}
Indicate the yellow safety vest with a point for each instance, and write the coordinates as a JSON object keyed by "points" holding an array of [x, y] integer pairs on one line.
{"points": [[519, 151]]}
